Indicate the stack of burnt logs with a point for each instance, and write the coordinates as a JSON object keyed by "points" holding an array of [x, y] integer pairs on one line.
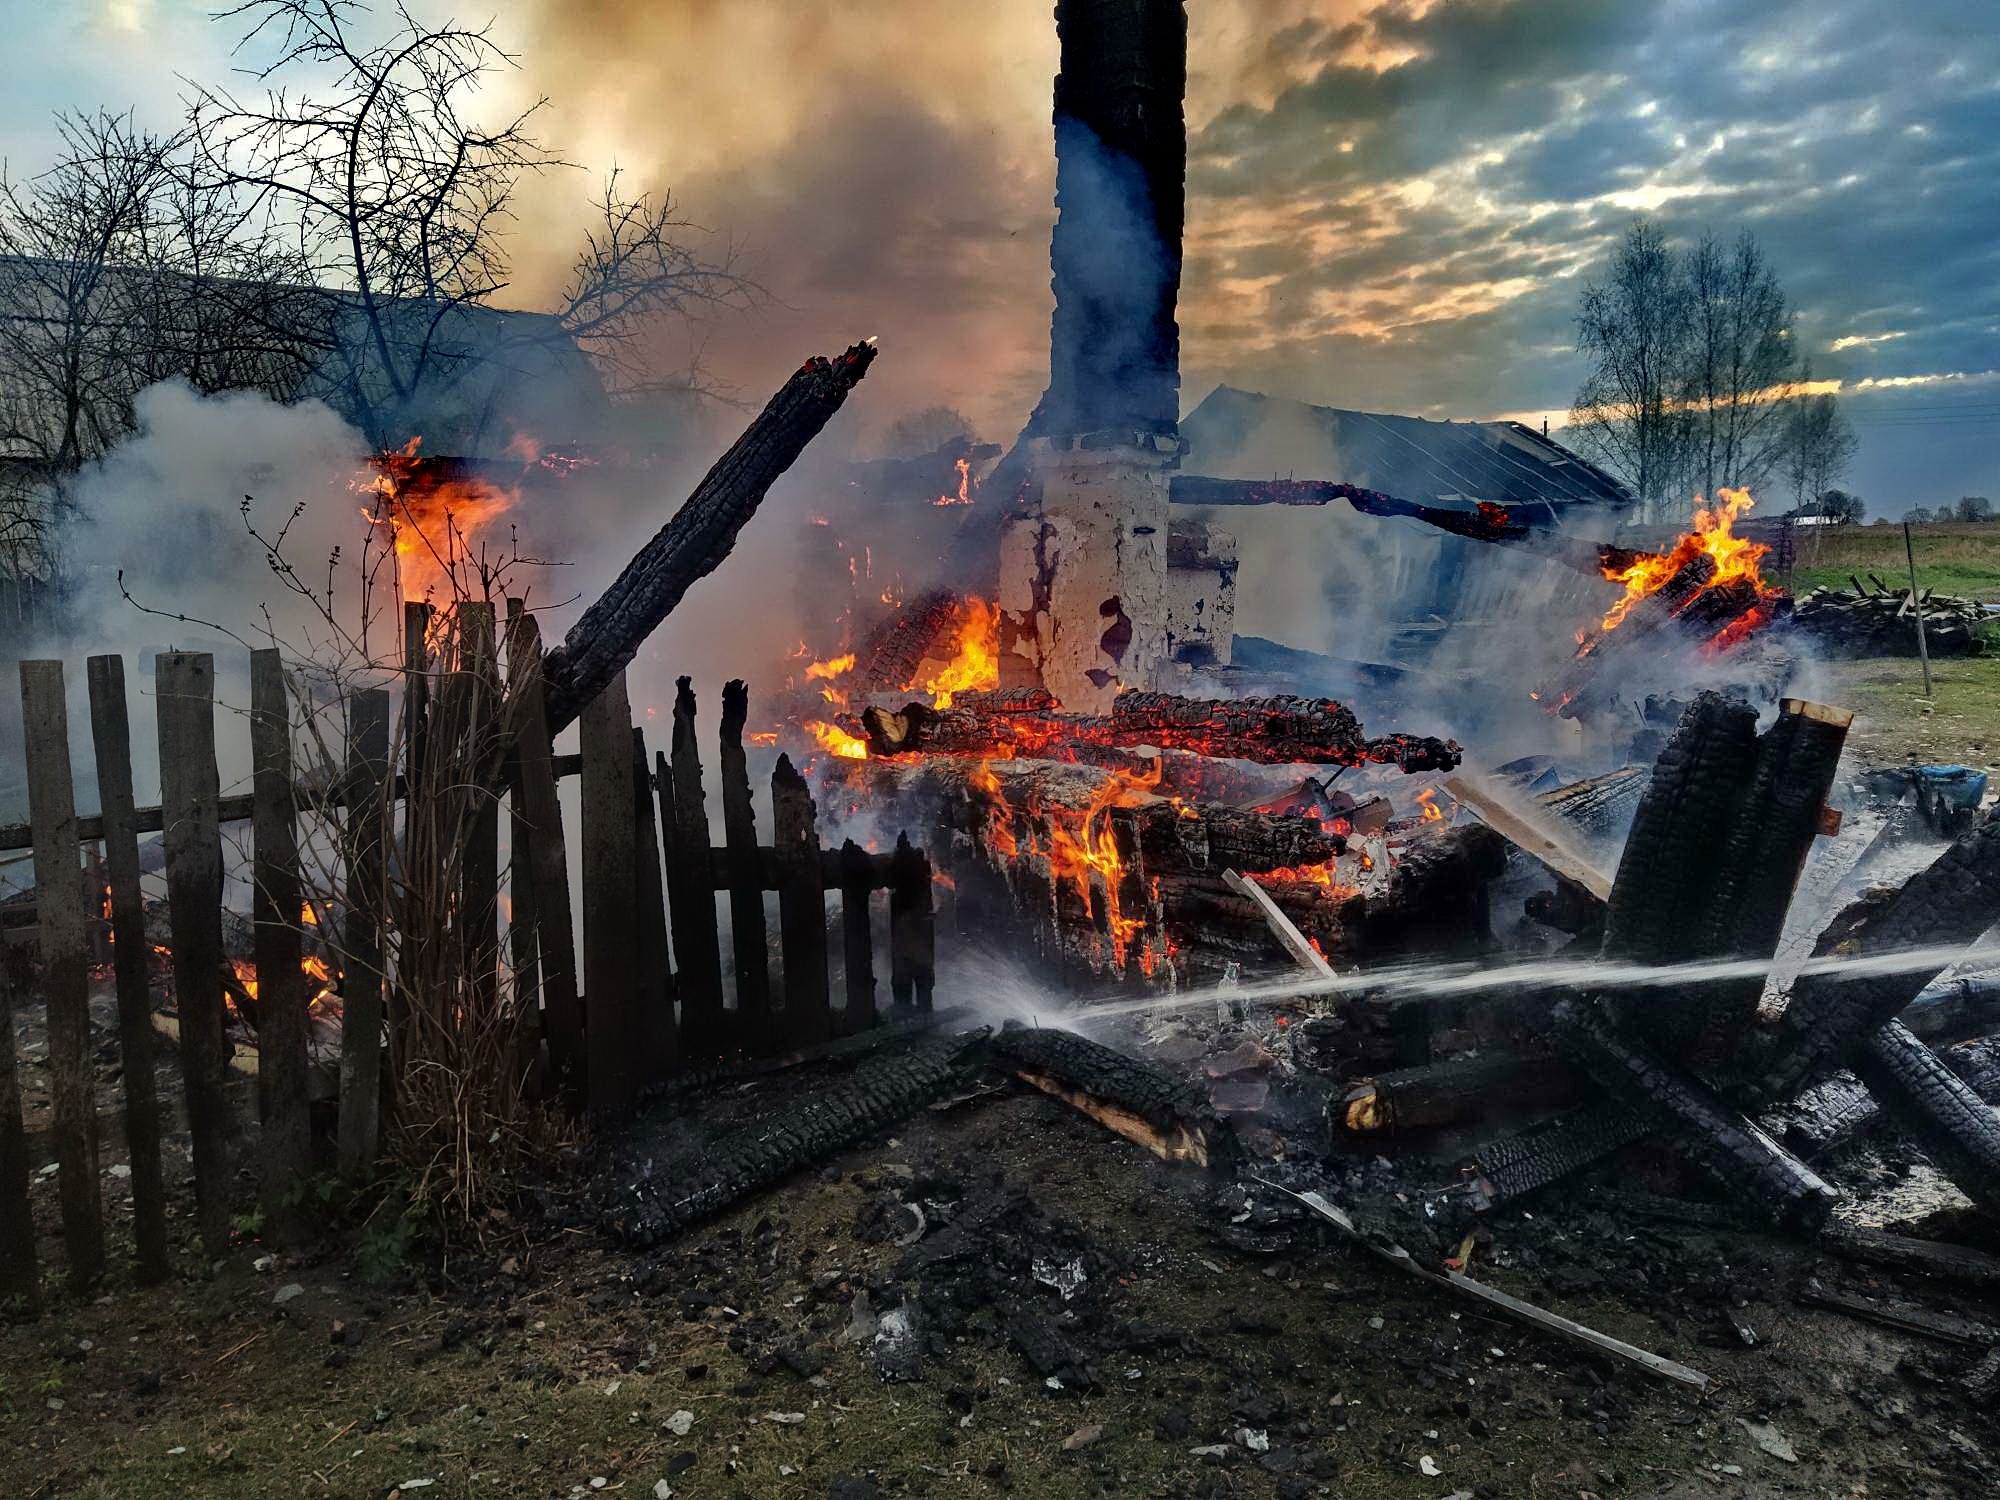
{"points": [[1103, 839], [1708, 873]]}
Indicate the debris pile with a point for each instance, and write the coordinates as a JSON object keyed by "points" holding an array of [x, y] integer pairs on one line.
{"points": [[1877, 620]]}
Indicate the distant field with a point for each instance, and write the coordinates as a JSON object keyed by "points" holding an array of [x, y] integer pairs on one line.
{"points": [[1952, 558]]}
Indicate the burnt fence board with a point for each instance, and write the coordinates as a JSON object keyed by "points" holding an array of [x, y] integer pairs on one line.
{"points": [[20, 1273], [801, 908], [365, 851], [285, 1147], [184, 704], [547, 856], [691, 891], [111, 741], [610, 928], [743, 870], [659, 1036], [857, 886], [522, 951], [479, 868], [64, 964], [912, 928]]}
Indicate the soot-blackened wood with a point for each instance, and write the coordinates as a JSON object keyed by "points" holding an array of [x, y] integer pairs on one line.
{"points": [[610, 910], [285, 1149], [111, 738], [749, 942], [801, 908], [659, 1035], [64, 919], [20, 1271], [479, 867], [184, 697], [1277, 730], [857, 883], [1731, 1147], [522, 952], [416, 691], [1757, 872], [365, 841], [548, 860], [691, 545], [912, 927], [691, 890], [1955, 1128], [1950, 902]]}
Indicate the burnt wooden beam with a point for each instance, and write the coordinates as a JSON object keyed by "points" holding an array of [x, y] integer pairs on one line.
{"points": [[699, 536], [1278, 730]]}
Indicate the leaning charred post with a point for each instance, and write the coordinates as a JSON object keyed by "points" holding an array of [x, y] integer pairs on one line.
{"points": [[691, 545], [1274, 731]]}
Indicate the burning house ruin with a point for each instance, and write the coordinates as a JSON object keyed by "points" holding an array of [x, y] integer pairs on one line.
{"points": [[1538, 856]]}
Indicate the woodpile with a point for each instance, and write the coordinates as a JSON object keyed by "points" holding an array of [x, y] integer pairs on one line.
{"points": [[1877, 620]]}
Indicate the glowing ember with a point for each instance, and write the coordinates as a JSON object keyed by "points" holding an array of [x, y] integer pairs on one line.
{"points": [[1714, 537]]}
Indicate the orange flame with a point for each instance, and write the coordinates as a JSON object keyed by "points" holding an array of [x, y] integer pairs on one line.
{"points": [[964, 494], [1427, 800], [436, 512], [837, 741], [975, 663], [1713, 536]]}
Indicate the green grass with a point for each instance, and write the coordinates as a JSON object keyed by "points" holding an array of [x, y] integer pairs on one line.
{"points": [[1953, 558], [1959, 723]]}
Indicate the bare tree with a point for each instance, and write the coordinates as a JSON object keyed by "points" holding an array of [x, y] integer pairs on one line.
{"points": [[398, 196], [1819, 445], [1741, 365], [1634, 327]]}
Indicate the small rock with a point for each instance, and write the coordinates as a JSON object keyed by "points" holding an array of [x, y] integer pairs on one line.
{"points": [[263, 1262], [663, 1491], [287, 1293], [1770, 1440], [1428, 1467], [1083, 1437], [414, 1484], [785, 1418], [1254, 1438], [1211, 1450], [612, 1388], [681, 1423]]}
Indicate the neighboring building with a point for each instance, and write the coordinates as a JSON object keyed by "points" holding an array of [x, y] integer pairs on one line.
{"points": [[1390, 587]]}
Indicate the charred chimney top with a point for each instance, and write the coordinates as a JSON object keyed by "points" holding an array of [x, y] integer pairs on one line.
{"points": [[1121, 165]]}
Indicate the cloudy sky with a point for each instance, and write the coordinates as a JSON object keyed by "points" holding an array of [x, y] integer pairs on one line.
{"points": [[1393, 203]]}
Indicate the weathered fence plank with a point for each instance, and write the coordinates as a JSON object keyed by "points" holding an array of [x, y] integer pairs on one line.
{"points": [[184, 705], [912, 927], [610, 927], [111, 737], [801, 908], [479, 867], [743, 867], [20, 1273], [659, 1034], [521, 949], [282, 997], [65, 952], [691, 891], [857, 884], [360, 1129], [548, 861]]}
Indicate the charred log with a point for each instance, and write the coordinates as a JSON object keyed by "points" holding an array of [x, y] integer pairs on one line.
{"points": [[1955, 1128], [1529, 1160], [1730, 1147], [1275, 731], [891, 658], [1449, 1091], [1950, 902], [1169, 1117], [882, 1091], [699, 536]]}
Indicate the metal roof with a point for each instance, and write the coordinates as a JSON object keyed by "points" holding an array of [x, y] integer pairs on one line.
{"points": [[1232, 434]]}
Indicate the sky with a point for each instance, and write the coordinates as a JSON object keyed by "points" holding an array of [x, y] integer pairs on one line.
{"points": [[1393, 204]]}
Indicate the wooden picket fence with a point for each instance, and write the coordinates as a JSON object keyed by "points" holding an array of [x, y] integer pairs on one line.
{"points": [[651, 997]]}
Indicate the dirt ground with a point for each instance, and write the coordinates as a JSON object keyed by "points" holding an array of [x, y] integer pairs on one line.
{"points": [[553, 1364]]}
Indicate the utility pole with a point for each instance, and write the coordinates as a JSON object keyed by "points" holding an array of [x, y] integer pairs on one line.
{"points": [[1917, 608]]}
